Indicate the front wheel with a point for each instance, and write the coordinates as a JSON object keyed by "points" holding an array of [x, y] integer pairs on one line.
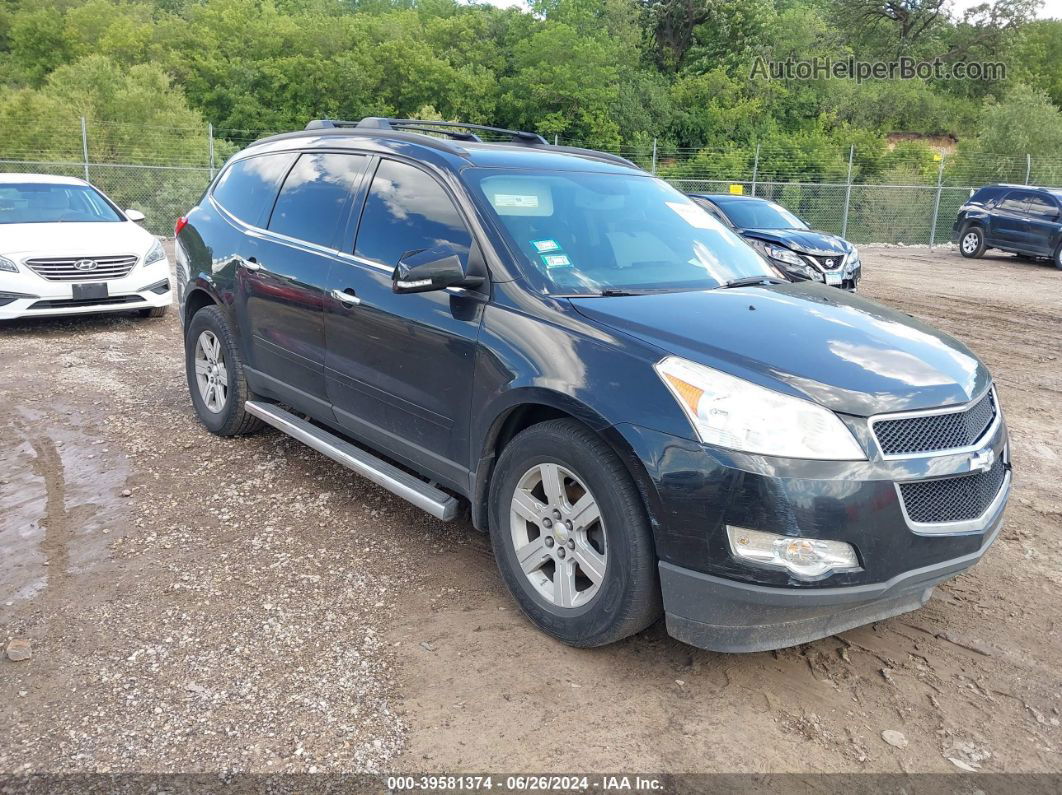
{"points": [[1057, 258], [215, 375], [153, 311], [972, 242], [571, 536]]}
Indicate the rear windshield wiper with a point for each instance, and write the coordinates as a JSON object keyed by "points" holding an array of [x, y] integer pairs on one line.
{"points": [[748, 281]]}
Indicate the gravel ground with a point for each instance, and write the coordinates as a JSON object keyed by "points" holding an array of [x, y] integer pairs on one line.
{"points": [[203, 604]]}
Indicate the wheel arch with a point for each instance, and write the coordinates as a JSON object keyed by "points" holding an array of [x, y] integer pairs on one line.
{"points": [[533, 406], [195, 299]]}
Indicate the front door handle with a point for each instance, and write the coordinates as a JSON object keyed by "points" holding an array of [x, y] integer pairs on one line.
{"points": [[250, 264], [347, 296]]}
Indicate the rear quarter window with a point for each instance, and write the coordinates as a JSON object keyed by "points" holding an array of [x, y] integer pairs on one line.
{"points": [[248, 187]]}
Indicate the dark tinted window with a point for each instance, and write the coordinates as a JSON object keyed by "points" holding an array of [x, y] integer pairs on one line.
{"points": [[1015, 201], [407, 210], [248, 187], [1042, 206], [315, 196]]}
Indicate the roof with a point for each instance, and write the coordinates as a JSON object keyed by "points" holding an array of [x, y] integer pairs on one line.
{"points": [[43, 179], [459, 153]]}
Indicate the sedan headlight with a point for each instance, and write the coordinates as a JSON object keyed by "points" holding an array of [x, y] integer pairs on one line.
{"points": [[8, 265], [737, 414], [155, 253], [783, 255]]}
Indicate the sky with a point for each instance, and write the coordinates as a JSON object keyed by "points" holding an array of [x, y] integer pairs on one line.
{"points": [[1051, 8]]}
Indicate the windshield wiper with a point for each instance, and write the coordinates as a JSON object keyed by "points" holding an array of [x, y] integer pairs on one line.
{"points": [[748, 281]]}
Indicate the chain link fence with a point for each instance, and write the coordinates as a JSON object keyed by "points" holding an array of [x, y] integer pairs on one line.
{"points": [[910, 196]]}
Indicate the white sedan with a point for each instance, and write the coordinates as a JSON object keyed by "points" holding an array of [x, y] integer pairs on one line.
{"points": [[67, 249]]}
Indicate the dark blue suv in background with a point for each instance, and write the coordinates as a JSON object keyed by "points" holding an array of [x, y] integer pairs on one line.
{"points": [[643, 416], [1016, 218]]}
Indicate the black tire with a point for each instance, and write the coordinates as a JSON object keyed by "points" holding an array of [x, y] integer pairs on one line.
{"points": [[628, 596], [974, 247], [154, 311], [1057, 257], [232, 419]]}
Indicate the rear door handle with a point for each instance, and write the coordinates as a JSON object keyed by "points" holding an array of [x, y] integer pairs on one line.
{"points": [[347, 296]]}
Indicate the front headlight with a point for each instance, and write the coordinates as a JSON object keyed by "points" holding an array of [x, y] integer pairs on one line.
{"points": [[8, 265], [783, 255], [735, 413], [155, 253], [852, 261]]}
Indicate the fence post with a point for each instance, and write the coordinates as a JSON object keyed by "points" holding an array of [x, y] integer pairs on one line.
{"points": [[84, 146], [654, 157], [755, 168], [848, 192], [936, 202], [1028, 167], [555, 139], [210, 136]]}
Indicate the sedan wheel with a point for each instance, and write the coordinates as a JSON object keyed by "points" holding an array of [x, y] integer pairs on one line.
{"points": [[558, 535], [211, 374]]}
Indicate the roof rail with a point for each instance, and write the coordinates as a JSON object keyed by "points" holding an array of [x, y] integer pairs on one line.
{"points": [[452, 129]]}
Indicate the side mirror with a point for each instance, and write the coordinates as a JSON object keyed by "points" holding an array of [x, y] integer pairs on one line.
{"points": [[134, 215], [434, 268]]}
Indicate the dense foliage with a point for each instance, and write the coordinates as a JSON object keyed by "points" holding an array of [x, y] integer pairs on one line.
{"points": [[607, 73]]}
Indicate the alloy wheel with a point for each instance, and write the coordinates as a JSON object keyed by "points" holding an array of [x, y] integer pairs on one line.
{"points": [[970, 242], [559, 536], [210, 372]]}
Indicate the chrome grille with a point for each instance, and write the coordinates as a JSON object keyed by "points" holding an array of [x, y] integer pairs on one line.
{"points": [[838, 260], [958, 499], [64, 269], [932, 433]]}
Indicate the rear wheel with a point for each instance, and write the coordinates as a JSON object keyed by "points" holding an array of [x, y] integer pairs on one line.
{"points": [[215, 375], [1057, 258], [972, 242], [571, 536], [154, 311]]}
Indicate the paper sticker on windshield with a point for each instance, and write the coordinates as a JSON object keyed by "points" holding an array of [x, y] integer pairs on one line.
{"points": [[544, 246], [515, 200], [694, 216], [556, 260]]}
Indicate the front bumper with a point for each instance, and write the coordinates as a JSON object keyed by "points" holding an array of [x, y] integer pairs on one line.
{"points": [[724, 615], [25, 294], [715, 601]]}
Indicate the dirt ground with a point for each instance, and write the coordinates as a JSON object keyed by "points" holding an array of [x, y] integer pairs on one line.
{"points": [[203, 604]]}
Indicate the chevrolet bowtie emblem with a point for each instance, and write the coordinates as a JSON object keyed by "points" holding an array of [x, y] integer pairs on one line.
{"points": [[982, 460]]}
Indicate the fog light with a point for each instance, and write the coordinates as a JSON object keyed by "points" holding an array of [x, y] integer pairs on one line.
{"points": [[803, 557]]}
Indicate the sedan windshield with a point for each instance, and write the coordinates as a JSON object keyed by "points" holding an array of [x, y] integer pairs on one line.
{"points": [[592, 234], [43, 203], [760, 215]]}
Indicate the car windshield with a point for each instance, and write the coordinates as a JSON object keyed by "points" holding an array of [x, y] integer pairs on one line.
{"points": [[43, 203], [760, 215], [589, 233]]}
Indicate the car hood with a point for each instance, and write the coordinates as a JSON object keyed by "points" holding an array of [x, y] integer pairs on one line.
{"points": [[74, 239], [847, 353], [805, 241]]}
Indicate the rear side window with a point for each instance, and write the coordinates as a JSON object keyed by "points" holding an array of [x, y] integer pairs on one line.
{"points": [[1042, 206], [406, 210], [248, 187], [315, 196]]}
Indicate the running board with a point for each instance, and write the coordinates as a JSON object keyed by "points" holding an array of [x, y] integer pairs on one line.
{"points": [[425, 496]]}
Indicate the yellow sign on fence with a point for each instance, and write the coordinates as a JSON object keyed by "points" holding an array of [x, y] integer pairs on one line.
{"points": [[737, 189]]}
